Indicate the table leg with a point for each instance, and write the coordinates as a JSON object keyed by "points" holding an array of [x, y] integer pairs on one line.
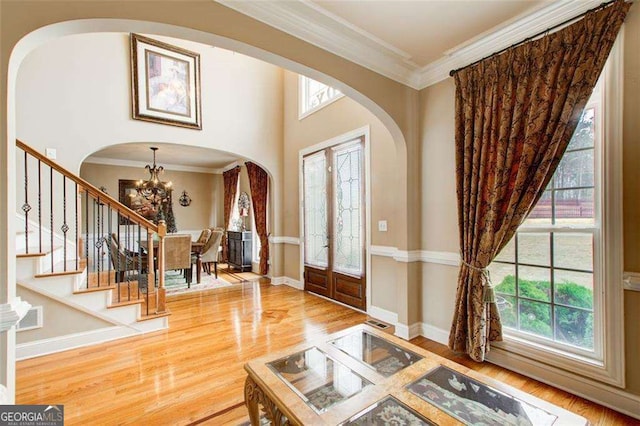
{"points": [[198, 268], [252, 396]]}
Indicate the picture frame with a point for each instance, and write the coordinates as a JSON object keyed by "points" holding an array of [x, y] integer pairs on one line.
{"points": [[128, 195], [165, 83]]}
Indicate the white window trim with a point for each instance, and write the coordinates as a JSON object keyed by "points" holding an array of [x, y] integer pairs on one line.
{"points": [[611, 368], [302, 95]]}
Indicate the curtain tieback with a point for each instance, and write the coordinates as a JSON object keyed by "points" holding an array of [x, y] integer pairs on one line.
{"points": [[488, 295]]}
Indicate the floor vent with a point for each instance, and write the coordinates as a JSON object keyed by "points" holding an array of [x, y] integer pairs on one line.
{"points": [[377, 324]]}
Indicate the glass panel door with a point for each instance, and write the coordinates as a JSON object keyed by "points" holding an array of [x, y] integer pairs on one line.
{"points": [[315, 210], [348, 230], [334, 228]]}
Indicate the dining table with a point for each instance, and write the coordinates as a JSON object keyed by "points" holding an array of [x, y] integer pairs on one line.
{"points": [[196, 249]]}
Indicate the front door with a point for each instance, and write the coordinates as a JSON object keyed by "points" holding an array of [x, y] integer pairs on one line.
{"points": [[334, 223]]}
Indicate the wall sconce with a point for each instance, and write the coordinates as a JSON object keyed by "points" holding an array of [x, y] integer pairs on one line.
{"points": [[184, 199]]}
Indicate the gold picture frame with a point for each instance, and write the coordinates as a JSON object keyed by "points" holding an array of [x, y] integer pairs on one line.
{"points": [[165, 83]]}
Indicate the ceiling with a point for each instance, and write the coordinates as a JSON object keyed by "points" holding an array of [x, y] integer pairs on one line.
{"points": [[170, 156], [415, 42], [424, 30]]}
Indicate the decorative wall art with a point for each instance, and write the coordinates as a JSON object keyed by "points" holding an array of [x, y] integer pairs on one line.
{"points": [[129, 196], [165, 83]]}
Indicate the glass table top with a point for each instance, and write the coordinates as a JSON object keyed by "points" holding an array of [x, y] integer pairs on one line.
{"points": [[318, 379], [383, 356], [473, 402], [388, 411]]}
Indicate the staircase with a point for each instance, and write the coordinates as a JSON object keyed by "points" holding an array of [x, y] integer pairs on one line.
{"points": [[65, 254]]}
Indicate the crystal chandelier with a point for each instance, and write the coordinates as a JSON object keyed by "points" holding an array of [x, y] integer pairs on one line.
{"points": [[153, 189]]}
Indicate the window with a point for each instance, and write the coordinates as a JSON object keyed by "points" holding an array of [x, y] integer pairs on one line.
{"points": [[314, 95], [545, 276], [550, 279]]}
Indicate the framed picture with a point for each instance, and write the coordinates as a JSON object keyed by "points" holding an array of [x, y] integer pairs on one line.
{"points": [[128, 195], [165, 83]]}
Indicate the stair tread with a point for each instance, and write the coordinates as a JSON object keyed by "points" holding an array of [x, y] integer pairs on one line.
{"points": [[125, 303], [92, 289], [35, 251], [154, 316], [59, 268]]}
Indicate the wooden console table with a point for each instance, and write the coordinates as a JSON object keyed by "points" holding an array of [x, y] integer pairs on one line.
{"points": [[362, 374], [239, 245]]}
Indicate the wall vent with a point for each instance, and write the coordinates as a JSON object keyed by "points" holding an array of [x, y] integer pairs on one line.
{"points": [[33, 319], [377, 324]]}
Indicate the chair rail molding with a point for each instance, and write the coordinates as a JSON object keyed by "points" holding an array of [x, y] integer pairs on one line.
{"points": [[425, 256], [284, 240], [631, 281]]}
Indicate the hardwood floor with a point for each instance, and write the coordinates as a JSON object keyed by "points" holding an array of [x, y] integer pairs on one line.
{"points": [[193, 373]]}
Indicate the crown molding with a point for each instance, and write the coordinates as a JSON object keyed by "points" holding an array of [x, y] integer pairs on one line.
{"points": [[505, 35], [142, 164], [311, 23], [315, 25]]}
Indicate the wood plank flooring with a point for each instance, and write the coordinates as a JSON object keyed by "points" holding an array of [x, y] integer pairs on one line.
{"points": [[193, 373]]}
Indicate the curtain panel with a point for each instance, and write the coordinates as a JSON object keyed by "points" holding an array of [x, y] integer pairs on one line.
{"points": [[515, 114], [230, 181], [259, 184]]}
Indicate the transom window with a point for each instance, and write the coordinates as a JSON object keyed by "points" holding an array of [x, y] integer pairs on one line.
{"points": [[547, 276], [314, 96]]}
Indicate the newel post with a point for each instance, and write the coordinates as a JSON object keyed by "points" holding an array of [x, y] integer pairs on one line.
{"points": [[162, 232]]}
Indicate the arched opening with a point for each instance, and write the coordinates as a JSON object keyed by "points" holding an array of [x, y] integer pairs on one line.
{"points": [[276, 168]]}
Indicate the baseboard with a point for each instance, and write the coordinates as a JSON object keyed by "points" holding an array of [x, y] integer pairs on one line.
{"points": [[600, 393], [435, 333], [383, 315], [408, 332], [298, 285], [71, 341]]}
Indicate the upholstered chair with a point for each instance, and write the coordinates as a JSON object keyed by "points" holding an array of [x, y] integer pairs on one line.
{"points": [[204, 236], [177, 254], [124, 260], [210, 252]]}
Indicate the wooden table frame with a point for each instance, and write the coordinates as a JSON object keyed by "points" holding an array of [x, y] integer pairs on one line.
{"points": [[263, 388]]}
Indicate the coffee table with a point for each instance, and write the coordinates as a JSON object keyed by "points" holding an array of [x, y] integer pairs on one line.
{"points": [[363, 375]]}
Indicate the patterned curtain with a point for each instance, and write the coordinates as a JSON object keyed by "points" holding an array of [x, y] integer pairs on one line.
{"points": [[259, 184], [515, 115], [230, 179]]}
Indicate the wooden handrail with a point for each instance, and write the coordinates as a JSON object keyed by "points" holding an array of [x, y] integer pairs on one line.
{"points": [[90, 189]]}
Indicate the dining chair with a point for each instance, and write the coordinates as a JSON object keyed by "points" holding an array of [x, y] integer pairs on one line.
{"points": [[124, 260], [210, 252], [177, 255], [204, 236]]}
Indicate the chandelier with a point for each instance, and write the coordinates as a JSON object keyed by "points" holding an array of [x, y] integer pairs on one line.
{"points": [[153, 189]]}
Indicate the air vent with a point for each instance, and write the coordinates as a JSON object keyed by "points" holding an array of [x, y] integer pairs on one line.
{"points": [[33, 319], [377, 324]]}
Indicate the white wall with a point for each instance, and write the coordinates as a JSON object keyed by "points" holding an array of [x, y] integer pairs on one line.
{"points": [[73, 94]]}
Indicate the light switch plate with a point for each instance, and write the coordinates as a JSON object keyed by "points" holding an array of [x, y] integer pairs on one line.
{"points": [[382, 225], [50, 153]]}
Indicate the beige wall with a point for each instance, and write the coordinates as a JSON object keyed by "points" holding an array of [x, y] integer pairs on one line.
{"points": [[89, 106], [58, 319], [439, 210], [340, 117], [205, 190], [631, 191]]}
